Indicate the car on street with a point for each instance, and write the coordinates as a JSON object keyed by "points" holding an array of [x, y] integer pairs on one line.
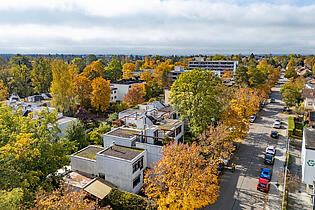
{"points": [[272, 100], [252, 118], [271, 150], [276, 124], [263, 185], [274, 134], [286, 109], [269, 159], [265, 173]]}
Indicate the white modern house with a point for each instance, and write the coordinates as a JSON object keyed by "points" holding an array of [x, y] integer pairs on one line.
{"points": [[122, 166], [218, 67], [120, 88], [308, 157]]}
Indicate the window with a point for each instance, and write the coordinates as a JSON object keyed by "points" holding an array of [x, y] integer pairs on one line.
{"points": [[137, 165], [136, 181], [178, 130], [309, 104]]}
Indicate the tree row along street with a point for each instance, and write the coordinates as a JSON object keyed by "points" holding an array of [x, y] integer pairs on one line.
{"points": [[238, 189]]}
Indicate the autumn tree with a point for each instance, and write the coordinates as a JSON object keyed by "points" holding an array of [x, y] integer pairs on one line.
{"points": [[41, 75], [94, 70], [219, 58], [147, 76], [64, 198], [20, 82], [61, 86], [75, 132], [135, 95], [160, 75], [90, 59], [3, 91], [113, 71], [128, 70], [196, 95], [20, 60], [82, 89], [290, 73], [182, 178], [100, 94]]}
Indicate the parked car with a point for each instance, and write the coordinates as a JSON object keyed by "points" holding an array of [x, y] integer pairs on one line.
{"points": [[269, 159], [271, 150], [265, 173], [274, 134], [286, 109], [278, 120], [252, 118], [263, 185], [272, 100], [276, 124]]}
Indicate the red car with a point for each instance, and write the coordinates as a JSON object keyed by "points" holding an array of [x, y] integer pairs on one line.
{"points": [[263, 185]]}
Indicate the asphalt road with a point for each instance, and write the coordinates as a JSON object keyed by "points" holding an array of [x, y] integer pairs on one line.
{"points": [[238, 189]]}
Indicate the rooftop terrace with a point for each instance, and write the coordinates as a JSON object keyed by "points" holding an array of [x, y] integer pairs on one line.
{"points": [[126, 153], [123, 133], [89, 152], [168, 124]]}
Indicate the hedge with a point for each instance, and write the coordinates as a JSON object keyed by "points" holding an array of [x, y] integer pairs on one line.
{"points": [[291, 125], [124, 200]]}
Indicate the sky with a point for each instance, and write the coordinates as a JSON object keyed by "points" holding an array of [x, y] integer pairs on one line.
{"points": [[164, 27]]}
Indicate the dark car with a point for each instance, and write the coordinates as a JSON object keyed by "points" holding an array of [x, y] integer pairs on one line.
{"points": [[274, 134], [220, 167], [272, 100], [269, 159], [286, 109]]}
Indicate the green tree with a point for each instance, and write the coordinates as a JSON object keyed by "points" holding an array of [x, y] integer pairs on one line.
{"points": [[11, 199], [114, 70], [19, 60], [41, 75], [196, 95], [241, 75], [219, 58], [76, 133], [290, 73], [20, 82], [79, 63], [90, 58]]}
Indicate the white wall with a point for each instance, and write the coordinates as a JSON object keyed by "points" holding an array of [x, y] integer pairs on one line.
{"points": [[308, 170], [84, 165], [153, 153], [109, 139]]}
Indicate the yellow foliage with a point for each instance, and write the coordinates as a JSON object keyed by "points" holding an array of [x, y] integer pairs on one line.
{"points": [[3, 91], [128, 70], [100, 94]]}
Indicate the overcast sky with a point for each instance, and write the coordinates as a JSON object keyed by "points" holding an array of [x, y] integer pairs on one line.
{"points": [[157, 27]]}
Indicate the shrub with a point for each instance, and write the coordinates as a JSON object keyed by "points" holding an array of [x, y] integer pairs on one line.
{"points": [[291, 125], [124, 200]]}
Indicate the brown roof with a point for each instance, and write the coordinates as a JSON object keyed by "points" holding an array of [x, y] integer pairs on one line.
{"points": [[126, 153], [89, 152], [308, 93], [313, 81], [99, 188]]}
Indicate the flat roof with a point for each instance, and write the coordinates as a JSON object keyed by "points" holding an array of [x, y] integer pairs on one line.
{"points": [[123, 133], [122, 152], [89, 152], [65, 119], [127, 81], [133, 111], [75, 179], [309, 138], [99, 188], [168, 124]]}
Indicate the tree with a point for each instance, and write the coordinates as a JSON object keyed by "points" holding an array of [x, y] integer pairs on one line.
{"points": [[113, 71], [20, 60], [135, 95], [41, 75], [256, 77], [147, 76], [241, 76], [219, 58], [82, 89], [90, 59], [79, 63], [61, 86], [21, 80], [290, 73], [100, 94], [75, 132], [182, 179], [94, 70], [30, 151], [3, 91], [160, 75], [196, 95], [128, 70], [64, 198], [11, 199], [291, 91]]}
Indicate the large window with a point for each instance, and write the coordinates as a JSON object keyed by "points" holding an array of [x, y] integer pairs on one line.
{"points": [[136, 181], [137, 165], [178, 130]]}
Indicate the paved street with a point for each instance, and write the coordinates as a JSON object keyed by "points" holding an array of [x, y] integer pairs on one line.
{"points": [[238, 189]]}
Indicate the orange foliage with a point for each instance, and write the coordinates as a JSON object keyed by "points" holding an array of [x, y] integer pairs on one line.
{"points": [[100, 94], [135, 95]]}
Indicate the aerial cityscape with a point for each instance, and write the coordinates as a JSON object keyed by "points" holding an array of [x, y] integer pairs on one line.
{"points": [[157, 104]]}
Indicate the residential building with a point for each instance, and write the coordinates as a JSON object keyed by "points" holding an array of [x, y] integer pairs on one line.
{"points": [[310, 84], [308, 158], [173, 75], [120, 88], [218, 67], [309, 98], [311, 118], [122, 166]]}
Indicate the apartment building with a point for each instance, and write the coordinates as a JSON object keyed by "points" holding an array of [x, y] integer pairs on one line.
{"points": [[120, 88], [218, 67]]}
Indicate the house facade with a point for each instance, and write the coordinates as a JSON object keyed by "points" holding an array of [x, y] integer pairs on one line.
{"points": [[120, 88], [309, 98]]}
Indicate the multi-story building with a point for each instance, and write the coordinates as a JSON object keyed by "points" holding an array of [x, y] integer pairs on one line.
{"points": [[173, 75], [120, 88], [218, 67]]}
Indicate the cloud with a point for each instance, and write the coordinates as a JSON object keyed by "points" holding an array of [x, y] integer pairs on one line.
{"points": [[167, 27]]}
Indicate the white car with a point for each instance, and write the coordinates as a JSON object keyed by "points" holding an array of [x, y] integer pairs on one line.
{"points": [[252, 118], [278, 120], [276, 124], [271, 150]]}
